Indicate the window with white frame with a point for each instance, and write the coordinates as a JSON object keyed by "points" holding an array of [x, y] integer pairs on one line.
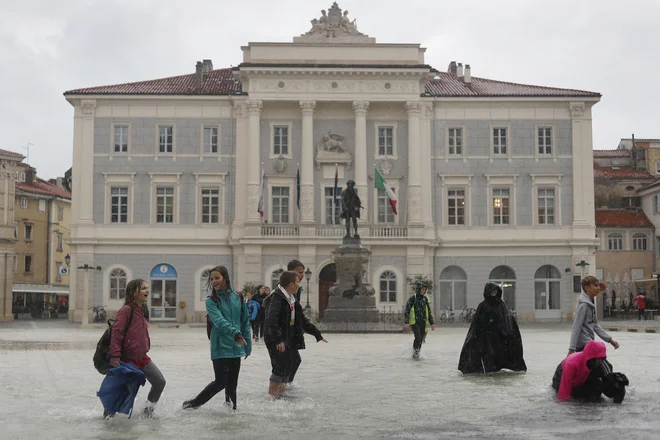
{"points": [[639, 242], [60, 213], [388, 286], [24, 202], [281, 140], [120, 138], [453, 288], [547, 288], [27, 263], [655, 204], [332, 205], [546, 206], [60, 241], [210, 140], [210, 205], [456, 206], [544, 135], [384, 209], [20, 176], [275, 278], [501, 204], [165, 139], [42, 205], [280, 204], [385, 140], [455, 141], [119, 204], [117, 282], [164, 204], [615, 241], [500, 141], [28, 232]]}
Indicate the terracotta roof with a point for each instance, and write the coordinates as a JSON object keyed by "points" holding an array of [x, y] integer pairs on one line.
{"points": [[221, 82], [641, 140], [619, 173], [217, 82], [44, 188], [622, 219], [611, 153], [10, 153], [653, 184]]}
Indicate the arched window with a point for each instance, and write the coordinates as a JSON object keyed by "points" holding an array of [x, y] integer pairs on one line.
{"points": [[387, 286], [506, 279], [118, 284], [615, 241], [204, 287], [275, 278], [639, 242], [547, 288], [453, 288]]}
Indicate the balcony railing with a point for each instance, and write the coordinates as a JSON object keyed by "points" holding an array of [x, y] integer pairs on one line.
{"points": [[330, 231], [388, 231], [280, 231]]}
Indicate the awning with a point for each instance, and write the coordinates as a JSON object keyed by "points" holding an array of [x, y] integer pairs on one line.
{"points": [[40, 288]]}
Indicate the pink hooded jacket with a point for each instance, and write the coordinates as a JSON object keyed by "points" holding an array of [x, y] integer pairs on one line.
{"points": [[574, 368], [134, 345]]}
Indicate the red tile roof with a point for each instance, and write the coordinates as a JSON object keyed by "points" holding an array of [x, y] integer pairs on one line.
{"points": [[619, 173], [221, 82], [40, 186], [622, 219], [641, 140], [653, 184], [10, 153], [611, 153]]}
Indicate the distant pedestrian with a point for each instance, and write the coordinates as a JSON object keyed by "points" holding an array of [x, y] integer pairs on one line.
{"points": [[253, 309], [418, 317], [640, 300]]}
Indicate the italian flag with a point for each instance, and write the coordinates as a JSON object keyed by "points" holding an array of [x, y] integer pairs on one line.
{"points": [[380, 183]]}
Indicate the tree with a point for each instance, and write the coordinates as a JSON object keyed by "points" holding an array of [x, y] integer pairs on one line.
{"points": [[428, 282], [249, 288]]}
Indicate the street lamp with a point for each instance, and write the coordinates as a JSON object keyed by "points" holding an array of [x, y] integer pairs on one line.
{"points": [[308, 275], [67, 260], [86, 267], [582, 265]]}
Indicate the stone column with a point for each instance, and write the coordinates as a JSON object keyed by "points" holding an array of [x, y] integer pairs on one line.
{"points": [[583, 173], [426, 164], [242, 169], [307, 163], [361, 108], [83, 192], [414, 164], [253, 166]]}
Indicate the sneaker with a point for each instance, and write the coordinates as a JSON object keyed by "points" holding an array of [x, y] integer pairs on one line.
{"points": [[108, 415], [149, 411], [416, 354], [187, 405]]}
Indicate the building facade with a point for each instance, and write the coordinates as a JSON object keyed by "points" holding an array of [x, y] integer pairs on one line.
{"points": [[494, 180], [41, 228]]}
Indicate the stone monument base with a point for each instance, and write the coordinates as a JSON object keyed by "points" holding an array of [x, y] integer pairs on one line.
{"points": [[356, 309]]}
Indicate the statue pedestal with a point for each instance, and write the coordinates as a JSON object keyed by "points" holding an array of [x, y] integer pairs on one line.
{"points": [[351, 299]]}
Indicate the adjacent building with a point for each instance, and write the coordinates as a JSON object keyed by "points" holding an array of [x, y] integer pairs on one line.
{"points": [[494, 180]]}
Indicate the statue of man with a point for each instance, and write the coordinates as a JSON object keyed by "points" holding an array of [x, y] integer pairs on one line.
{"points": [[350, 208]]}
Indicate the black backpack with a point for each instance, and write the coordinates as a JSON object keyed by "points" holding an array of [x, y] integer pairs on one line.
{"points": [[101, 361], [209, 323]]}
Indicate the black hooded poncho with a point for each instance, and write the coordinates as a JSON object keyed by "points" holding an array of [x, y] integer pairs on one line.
{"points": [[493, 341]]}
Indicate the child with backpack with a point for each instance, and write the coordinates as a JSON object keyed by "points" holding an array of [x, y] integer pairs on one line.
{"points": [[253, 309], [229, 334], [418, 317]]}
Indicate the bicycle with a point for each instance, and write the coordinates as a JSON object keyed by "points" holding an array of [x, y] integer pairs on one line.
{"points": [[447, 316]]}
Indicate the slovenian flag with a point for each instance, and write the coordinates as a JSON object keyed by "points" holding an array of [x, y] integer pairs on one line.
{"points": [[260, 207], [298, 187], [336, 189], [380, 183]]}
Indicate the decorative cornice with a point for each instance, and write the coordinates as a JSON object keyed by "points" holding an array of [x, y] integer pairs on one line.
{"points": [[360, 107], [307, 106], [414, 108], [254, 106], [88, 108], [577, 109], [240, 109]]}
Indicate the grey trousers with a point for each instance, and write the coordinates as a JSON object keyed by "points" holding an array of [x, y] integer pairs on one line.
{"points": [[156, 379]]}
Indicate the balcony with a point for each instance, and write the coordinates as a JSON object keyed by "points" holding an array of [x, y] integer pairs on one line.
{"points": [[384, 231], [280, 231], [336, 231]]}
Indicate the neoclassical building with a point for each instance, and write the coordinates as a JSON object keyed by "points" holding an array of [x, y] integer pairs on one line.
{"points": [[494, 180]]}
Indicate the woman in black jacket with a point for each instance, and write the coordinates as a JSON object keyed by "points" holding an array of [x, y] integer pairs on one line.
{"points": [[284, 336]]}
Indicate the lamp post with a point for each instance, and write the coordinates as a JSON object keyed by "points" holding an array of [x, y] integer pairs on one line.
{"points": [[86, 267], [308, 275]]}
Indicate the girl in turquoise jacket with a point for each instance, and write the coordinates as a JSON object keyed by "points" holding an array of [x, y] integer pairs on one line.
{"points": [[230, 337]]}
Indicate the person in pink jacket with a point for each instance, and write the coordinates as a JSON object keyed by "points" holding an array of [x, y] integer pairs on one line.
{"points": [[133, 345], [581, 376]]}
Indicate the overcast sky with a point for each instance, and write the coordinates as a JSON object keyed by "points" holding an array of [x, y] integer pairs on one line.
{"points": [[50, 46]]}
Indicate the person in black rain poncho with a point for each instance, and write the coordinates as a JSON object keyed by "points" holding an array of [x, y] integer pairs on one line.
{"points": [[493, 341]]}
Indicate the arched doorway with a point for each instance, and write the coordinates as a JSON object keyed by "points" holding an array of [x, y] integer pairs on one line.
{"points": [[505, 277], [327, 278], [163, 292], [453, 289]]}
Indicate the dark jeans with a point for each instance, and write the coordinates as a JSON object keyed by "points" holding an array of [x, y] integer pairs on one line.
{"points": [[226, 376], [285, 365], [419, 331], [156, 379], [641, 314], [261, 325], [255, 328]]}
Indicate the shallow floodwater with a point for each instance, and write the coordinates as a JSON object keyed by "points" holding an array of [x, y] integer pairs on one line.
{"points": [[355, 387]]}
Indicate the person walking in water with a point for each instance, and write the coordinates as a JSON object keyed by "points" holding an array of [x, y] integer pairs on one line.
{"points": [[418, 317], [133, 345], [230, 337]]}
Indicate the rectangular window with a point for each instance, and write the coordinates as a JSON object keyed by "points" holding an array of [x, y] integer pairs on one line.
{"points": [[165, 138], [546, 206], [121, 138], [639, 242], [281, 140], [210, 205], [385, 213], [386, 141], [119, 204], [16, 231], [280, 204], [501, 198], [60, 213], [42, 205], [28, 263], [455, 141], [332, 206], [60, 239], [24, 202], [456, 206], [545, 140], [499, 141], [655, 204], [165, 205], [28, 232], [210, 140]]}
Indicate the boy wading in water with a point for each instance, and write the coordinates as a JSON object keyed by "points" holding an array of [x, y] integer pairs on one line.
{"points": [[418, 317]]}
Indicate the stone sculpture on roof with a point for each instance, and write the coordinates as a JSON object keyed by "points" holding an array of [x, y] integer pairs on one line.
{"points": [[334, 24]]}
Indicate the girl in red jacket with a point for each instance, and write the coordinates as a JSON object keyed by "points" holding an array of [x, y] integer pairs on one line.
{"points": [[133, 345]]}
